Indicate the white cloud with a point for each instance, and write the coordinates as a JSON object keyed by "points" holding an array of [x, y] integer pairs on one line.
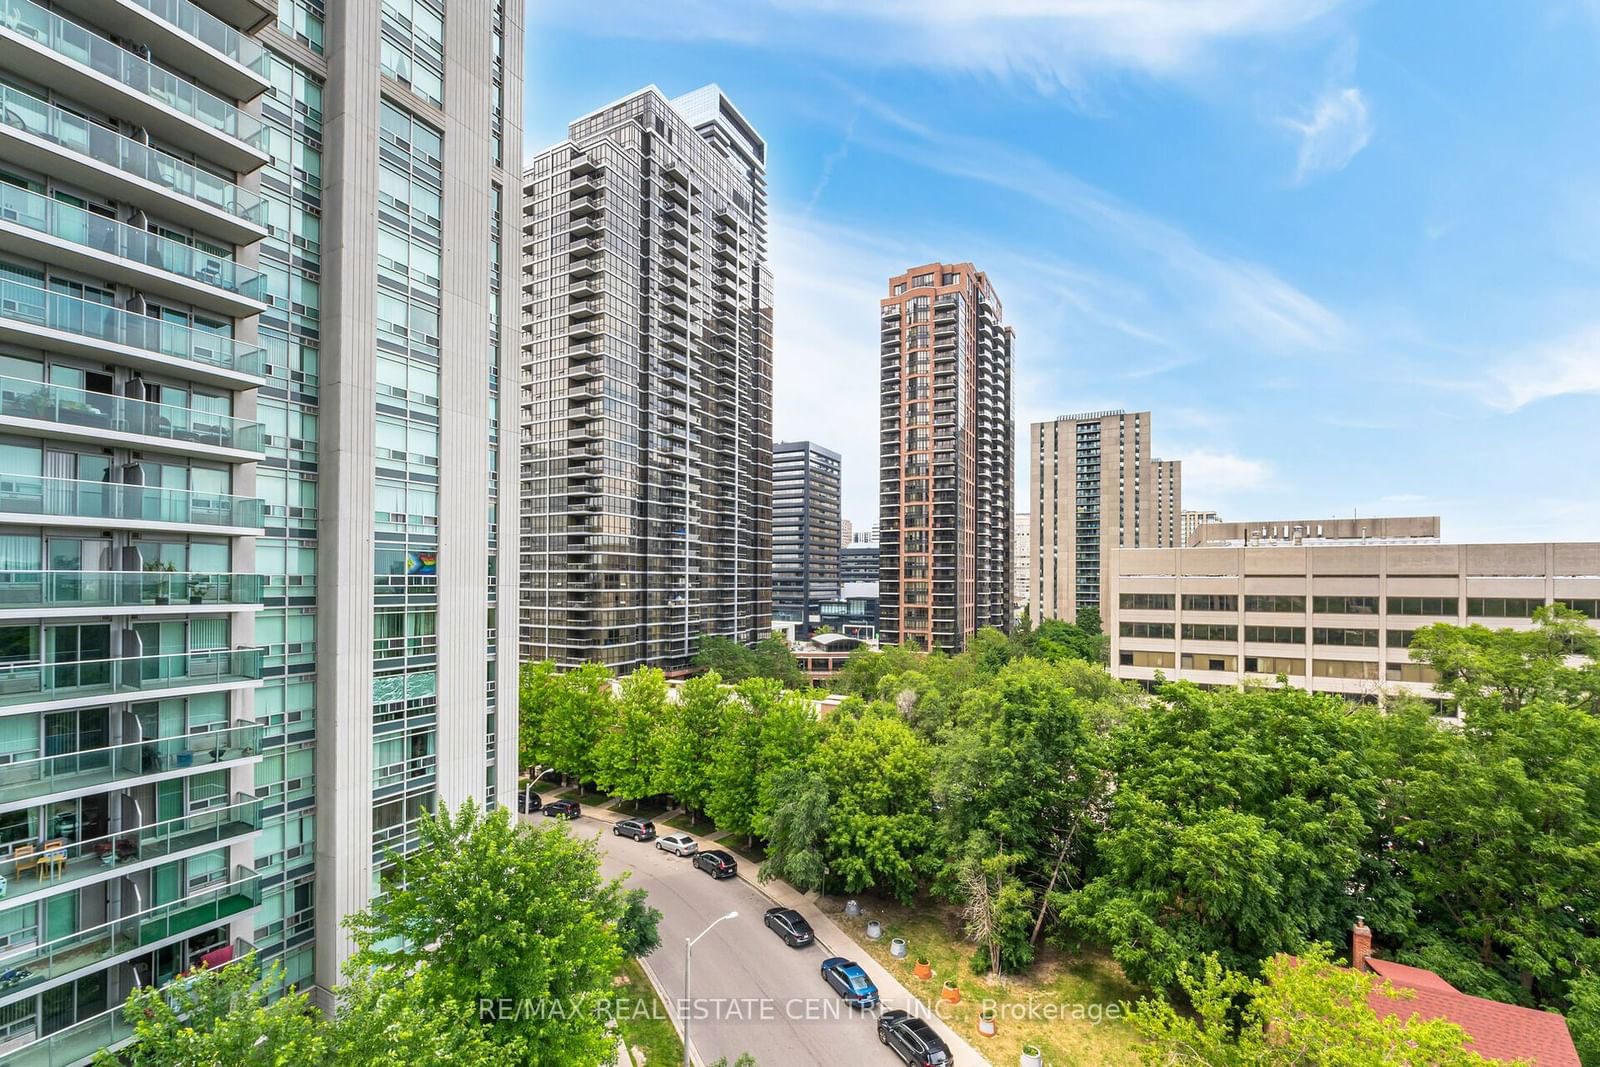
{"points": [[1337, 128], [1052, 44], [1214, 475], [1569, 366]]}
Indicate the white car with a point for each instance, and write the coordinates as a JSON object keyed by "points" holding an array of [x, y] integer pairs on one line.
{"points": [[677, 844]]}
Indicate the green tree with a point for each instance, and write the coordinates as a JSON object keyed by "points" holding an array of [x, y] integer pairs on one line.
{"points": [[691, 736], [734, 662], [538, 686], [573, 718], [866, 668], [1236, 827], [765, 729], [1088, 620], [1583, 1017], [220, 1018], [639, 925], [390, 1015], [1307, 1011], [499, 910], [797, 824], [627, 755], [1506, 669]]}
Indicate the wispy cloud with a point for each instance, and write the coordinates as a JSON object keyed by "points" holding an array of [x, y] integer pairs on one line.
{"points": [[1565, 367], [1211, 475], [1050, 44], [1336, 129]]}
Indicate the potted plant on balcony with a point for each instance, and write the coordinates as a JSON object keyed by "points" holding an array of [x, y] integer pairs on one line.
{"points": [[197, 589], [159, 588]]}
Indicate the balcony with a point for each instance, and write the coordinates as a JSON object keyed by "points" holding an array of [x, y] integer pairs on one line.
{"points": [[101, 857], [185, 38], [50, 50], [27, 498], [50, 230], [127, 678], [56, 322], [37, 134], [34, 593], [58, 959], [59, 412]]}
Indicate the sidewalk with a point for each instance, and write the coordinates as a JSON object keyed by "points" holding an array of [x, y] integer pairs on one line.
{"points": [[837, 943]]}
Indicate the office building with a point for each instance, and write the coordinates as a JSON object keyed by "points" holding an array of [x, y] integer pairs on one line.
{"points": [[646, 400], [859, 563], [847, 532], [1022, 560], [224, 436], [1190, 523], [1095, 489], [1335, 616], [1398, 529], [945, 504], [805, 529]]}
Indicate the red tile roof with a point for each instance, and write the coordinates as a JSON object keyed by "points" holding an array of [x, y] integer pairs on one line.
{"points": [[1497, 1031]]}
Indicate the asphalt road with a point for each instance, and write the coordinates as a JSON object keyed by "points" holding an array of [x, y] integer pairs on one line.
{"points": [[752, 993]]}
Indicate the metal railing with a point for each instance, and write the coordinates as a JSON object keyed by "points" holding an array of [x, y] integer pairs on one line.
{"points": [[47, 402], [25, 112], [33, 683], [125, 589], [69, 498], [208, 30]]}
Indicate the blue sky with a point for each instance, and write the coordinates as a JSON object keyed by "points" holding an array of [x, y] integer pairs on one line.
{"points": [[1348, 254]]}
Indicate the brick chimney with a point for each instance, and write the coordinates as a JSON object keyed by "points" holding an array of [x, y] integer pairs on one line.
{"points": [[1360, 943]]}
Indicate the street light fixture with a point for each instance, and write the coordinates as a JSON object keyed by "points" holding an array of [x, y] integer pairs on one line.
{"points": [[688, 957], [527, 790]]}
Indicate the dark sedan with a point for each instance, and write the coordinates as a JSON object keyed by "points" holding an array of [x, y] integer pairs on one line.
{"points": [[791, 926]]}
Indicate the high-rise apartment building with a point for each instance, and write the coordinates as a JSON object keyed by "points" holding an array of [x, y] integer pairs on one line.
{"points": [[945, 506], [224, 435], [1022, 560], [646, 386], [1095, 489], [1190, 523], [860, 563], [805, 529], [847, 532]]}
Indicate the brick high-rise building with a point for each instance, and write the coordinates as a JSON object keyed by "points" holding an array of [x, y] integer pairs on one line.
{"points": [[945, 489], [646, 393]]}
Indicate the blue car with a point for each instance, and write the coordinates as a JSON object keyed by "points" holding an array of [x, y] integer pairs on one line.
{"points": [[850, 981]]}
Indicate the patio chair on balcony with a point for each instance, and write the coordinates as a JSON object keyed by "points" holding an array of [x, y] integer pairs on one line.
{"points": [[25, 858]]}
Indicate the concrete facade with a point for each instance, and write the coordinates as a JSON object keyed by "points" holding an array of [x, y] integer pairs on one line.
{"points": [[805, 529], [1332, 618], [1022, 561]]}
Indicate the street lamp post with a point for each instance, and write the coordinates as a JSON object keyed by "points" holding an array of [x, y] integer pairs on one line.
{"points": [[688, 958], [527, 790]]}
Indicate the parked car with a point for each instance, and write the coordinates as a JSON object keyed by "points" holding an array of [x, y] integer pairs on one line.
{"points": [[912, 1039], [791, 926], [717, 863], [527, 801], [638, 829], [850, 981], [677, 844], [563, 809]]}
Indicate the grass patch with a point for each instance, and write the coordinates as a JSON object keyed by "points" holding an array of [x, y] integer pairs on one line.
{"points": [[587, 797], [649, 808], [684, 822], [644, 1021], [753, 853], [1067, 992]]}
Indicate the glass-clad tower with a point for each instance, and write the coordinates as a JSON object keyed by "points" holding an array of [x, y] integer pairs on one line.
{"points": [[240, 368]]}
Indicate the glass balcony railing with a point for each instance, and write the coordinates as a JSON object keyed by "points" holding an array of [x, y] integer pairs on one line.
{"points": [[92, 947], [29, 590], [105, 146], [20, 302], [209, 30], [46, 402], [101, 235], [77, 1043], [71, 41], [94, 767], [99, 857], [125, 678], [66, 498]]}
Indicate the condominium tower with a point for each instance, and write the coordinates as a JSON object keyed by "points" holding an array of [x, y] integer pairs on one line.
{"points": [[805, 529], [646, 386], [1095, 489], [945, 503], [1189, 525], [1022, 560], [224, 436]]}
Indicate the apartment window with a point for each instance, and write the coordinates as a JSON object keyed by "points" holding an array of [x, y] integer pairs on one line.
{"points": [[1345, 638], [1346, 605], [900, 288], [1343, 668], [1423, 605], [1209, 632], [1502, 607], [1589, 608], [1209, 602], [922, 281], [949, 278], [1296, 604], [1204, 661], [1399, 638], [1274, 665], [1147, 601], [1276, 635], [1158, 630], [1139, 658], [1412, 672]]}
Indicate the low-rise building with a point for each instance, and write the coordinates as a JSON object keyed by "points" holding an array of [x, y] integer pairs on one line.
{"points": [[1334, 617]]}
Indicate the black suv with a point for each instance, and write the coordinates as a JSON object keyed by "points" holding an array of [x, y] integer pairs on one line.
{"points": [[717, 863], [791, 926], [638, 829], [912, 1040], [527, 801], [563, 809]]}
